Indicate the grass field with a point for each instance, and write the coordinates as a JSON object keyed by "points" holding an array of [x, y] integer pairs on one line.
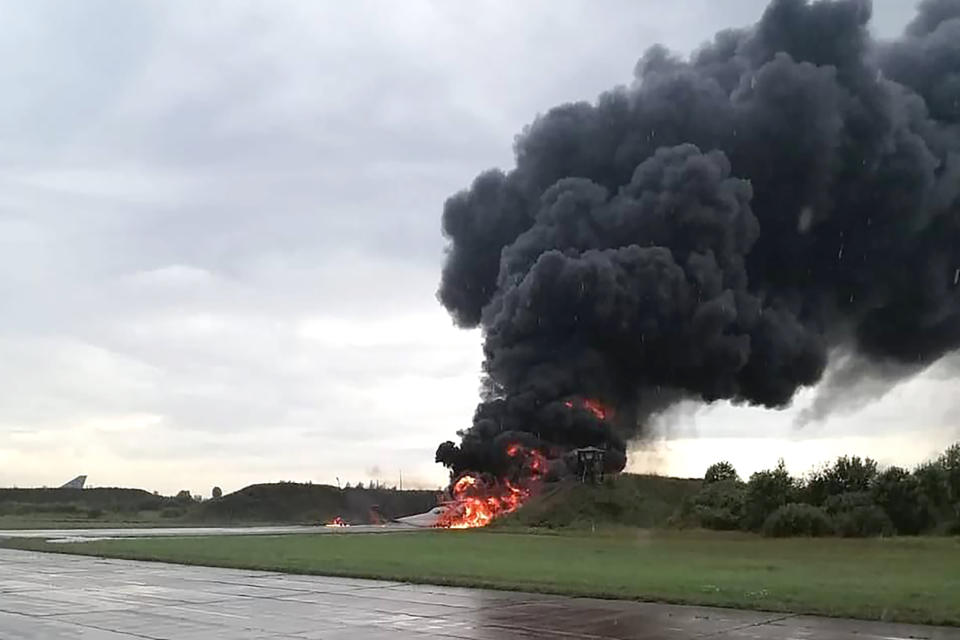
{"points": [[903, 579]]}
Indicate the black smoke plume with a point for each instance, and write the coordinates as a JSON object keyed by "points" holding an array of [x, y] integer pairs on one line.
{"points": [[715, 230]]}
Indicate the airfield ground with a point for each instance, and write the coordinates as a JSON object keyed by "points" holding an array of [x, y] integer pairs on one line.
{"points": [[74, 597], [901, 579]]}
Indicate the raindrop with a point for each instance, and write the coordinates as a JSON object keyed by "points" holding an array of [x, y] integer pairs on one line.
{"points": [[840, 253], [956, 277]]}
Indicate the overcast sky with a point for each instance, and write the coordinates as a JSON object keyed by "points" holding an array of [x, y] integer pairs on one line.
{"points": [[219, 236]]}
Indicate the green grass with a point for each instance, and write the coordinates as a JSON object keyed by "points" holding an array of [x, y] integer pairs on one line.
{"points": [[903, 579]]}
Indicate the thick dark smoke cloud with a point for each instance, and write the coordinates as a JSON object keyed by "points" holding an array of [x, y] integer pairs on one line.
{"points": [[716, 229]]}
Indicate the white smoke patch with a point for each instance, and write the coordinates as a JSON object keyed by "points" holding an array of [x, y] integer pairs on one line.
{"points": [[650, 457], [650, 453], [676, 421]]}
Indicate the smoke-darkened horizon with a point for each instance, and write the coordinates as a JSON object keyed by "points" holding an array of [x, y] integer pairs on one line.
{"points": [[716, 230]]}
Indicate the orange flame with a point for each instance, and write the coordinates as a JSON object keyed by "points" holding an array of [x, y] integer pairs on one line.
{"points": [[596, 408], [478, 501], [593, 406]]}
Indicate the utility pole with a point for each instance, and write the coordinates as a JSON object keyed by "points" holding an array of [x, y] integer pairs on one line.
{"points": [[401, 479]]}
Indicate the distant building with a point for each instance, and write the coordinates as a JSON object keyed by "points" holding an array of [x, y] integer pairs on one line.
{"points": [[76, 483]]}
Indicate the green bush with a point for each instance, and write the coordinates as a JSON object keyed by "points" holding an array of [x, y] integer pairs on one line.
{"points": [[716, 518], [855, 515], [950, 463], [863, 522], [766, 492], [721, 471], [900, 494], [718, 505], [933, 481], [846, 502], [847, 475], [797, 519]]}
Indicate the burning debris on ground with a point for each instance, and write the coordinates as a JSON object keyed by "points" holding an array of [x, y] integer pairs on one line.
{"points": [[477, 498], [713, 231]]}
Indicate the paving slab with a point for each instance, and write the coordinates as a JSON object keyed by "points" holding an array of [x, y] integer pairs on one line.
{"points": [[61, 597]]}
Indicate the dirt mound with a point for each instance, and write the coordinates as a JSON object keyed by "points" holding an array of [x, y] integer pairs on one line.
{"points": [[626, 499], [75, 500], [312, 503]]}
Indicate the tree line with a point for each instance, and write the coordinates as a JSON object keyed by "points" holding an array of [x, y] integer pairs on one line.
{"points": [[852, 497]]}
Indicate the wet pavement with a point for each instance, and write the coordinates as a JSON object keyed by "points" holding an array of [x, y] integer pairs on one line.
{"points": [[61, 597], [74, 535]]}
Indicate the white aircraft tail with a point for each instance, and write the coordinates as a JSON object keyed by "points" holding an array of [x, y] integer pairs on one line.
{"points": [[76, 483]]}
